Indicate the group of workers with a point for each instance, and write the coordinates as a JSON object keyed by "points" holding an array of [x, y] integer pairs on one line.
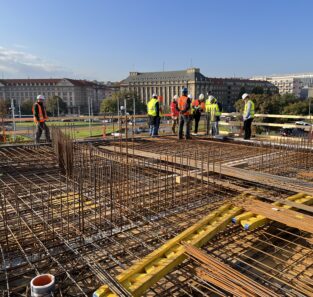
{"points": [[185, 110]]}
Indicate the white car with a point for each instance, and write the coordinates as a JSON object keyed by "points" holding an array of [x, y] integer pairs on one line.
{"points": [[303, 123]]}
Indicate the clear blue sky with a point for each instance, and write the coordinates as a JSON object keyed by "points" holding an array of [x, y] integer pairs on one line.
{"points": [[105, 40]]}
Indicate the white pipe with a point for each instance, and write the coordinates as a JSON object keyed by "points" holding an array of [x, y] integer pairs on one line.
{"points": [[42, 285]]}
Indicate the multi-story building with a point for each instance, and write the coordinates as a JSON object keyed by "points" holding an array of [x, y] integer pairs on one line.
{"points": [[290, 83], [169, 83], [79, 95]]}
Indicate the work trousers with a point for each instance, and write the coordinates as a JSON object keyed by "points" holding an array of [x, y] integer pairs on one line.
{"points": [[247, 128], [153, 125], [214, 128], [208, 119], [184, 120], [42, 127], [196, 116], [174, 124]]}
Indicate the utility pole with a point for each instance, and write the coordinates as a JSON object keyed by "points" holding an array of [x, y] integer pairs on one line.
{"points": [[58, 106], [125, 105], [89, 112], [19, 108], [13, 117], [134, 110]]}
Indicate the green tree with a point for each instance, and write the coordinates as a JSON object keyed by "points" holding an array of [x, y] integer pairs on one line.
{"points": [[4, 107], [53, 104], [109, 105], [26, 106], [298, 108]]}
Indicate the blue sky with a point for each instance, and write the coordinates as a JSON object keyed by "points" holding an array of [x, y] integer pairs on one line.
{"points": [[105, 40]]}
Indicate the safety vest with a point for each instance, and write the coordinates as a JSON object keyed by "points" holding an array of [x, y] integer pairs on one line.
{"points": [[217, 110], [195, 104], [182, 102], [251, 109], [151, 107], [207, 105], [42, 117]]}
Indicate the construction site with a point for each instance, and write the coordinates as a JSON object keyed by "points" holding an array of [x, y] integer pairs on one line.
{"points": [[140, 216]]}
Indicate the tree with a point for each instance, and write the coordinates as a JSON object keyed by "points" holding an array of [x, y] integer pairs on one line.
{"points": [[54, 104], [298, 108], [109, 105], [4, 107], [26, 106]]}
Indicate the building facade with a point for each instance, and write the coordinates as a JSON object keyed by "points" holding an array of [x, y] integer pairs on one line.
{"points": [[79, 95], [290, 83], [170, 83]]}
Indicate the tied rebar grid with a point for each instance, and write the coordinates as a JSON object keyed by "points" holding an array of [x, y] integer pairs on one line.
{"points": [[113, 209], [85, 228], [278, 257], [284, 157]]}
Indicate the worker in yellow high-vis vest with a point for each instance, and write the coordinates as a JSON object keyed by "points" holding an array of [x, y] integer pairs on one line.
{"points": [[153, 114], [215, 114], [248, 115]]}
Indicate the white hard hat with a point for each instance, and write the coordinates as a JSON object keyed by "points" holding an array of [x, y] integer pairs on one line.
{"points": [[189, 96], [245, 95], [42, 97], [211, 98], [154, 95], [201, 96], [175, 97]]}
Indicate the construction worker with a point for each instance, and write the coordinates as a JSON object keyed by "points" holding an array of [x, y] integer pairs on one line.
{"points": [[248, 115], [153, 113], [40, 118], [158, 119], [215, 113], [208, 113], [174, 113], [197, 106], [184, 106]]}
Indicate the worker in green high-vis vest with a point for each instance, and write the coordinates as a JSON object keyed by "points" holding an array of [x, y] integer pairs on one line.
{"points": [[248, 115], [153, 110]]}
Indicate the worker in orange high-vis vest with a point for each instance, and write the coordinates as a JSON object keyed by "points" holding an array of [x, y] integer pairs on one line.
{"points": [[40, 118], [184, 106]]}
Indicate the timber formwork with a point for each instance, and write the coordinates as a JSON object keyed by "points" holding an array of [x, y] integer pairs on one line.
{"points": [[122, 199]]}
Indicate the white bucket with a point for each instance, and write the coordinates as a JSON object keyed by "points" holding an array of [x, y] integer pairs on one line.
{"points": [[42, 285]]}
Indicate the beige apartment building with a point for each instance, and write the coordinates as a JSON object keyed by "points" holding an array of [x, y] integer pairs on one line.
{"points": [[79, 95], [296, 84], [170, 83]]}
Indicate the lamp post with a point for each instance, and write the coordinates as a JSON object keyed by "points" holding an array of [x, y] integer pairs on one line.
{"points": [[89, 112], [13, 117]]}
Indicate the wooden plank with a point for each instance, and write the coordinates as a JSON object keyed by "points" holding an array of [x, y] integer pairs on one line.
{"points": [[282, 215]]}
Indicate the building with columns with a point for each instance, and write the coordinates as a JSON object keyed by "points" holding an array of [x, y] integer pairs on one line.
{"points": [[170, 83], [78, 94]]}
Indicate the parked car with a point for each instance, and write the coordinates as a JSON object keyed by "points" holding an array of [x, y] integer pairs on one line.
{"points": [[303, 123], [293, 132]]}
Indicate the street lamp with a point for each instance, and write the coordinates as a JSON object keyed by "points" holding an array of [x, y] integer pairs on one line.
{"points": [[13, 116]]}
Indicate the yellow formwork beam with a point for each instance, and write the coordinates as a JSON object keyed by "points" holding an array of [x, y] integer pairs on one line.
{"points": [[145, 273], [251, 221]]}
